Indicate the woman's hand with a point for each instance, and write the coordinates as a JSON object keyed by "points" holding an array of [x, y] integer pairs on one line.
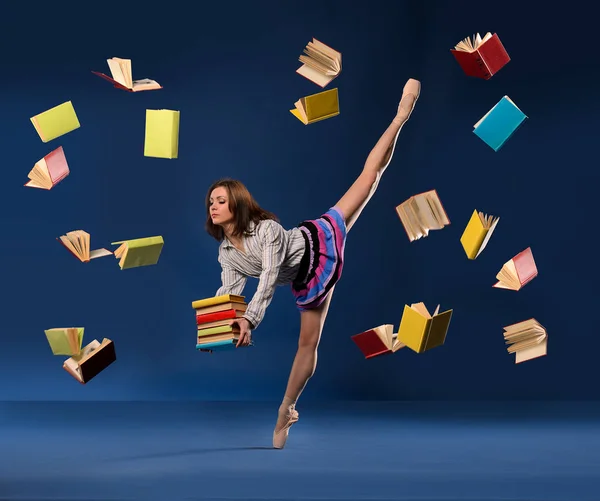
{"points": [[245, 331]]}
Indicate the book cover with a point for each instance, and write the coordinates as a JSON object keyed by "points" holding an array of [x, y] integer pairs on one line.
{"points": [[139, 252], [65, 341], [49, 171], [477, 234], [485, 60], [207, 318], [221, 329], [211, 301], [377, 341], [317, 107], [161, 138], [499, 124], [56, 121], [421, 331]]}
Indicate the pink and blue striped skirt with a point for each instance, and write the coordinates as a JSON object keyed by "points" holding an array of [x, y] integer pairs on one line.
{"points": [[323, 260]]}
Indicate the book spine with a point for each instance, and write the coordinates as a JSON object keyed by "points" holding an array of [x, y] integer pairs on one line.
{"points": [[486, 74], [206, 318]]}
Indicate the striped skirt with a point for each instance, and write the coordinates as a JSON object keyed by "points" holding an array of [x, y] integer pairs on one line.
{"points": [[323, 260]]}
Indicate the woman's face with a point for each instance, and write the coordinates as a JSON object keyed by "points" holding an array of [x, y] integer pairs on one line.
{"points": [[218, 205]]}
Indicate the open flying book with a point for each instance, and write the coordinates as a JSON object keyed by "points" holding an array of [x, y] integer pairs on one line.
{"points": [[421, 331], [122, 78], [78, 243], [378, 341], [49, 171], [527, 339], [65, 341], [481, 57], [138, 252], [422, 213], [317, 107], [56, 121], [477, 233], [500, 123], [517, 272], [321, 63], [92, 360]]}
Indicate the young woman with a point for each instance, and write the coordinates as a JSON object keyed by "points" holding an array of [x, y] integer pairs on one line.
{"points": [[309, 257]]}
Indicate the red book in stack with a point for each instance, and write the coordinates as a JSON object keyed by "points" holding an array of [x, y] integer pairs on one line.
{"points": [[481, 57]]}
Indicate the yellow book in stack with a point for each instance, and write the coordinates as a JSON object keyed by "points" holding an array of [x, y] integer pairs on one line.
{"points": [[421, 331], [162, 134], [477, 233], [56, 121], [138, 252], [317, 107]]}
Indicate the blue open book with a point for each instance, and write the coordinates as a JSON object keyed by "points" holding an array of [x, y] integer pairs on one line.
{"points": [[227, 344], [500, 123]]}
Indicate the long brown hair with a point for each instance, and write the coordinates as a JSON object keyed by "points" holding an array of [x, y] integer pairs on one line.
{"points": [[241, 204]]}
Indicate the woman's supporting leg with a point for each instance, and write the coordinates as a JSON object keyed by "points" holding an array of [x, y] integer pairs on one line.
{"points": [[359, 194], [303, 368]]}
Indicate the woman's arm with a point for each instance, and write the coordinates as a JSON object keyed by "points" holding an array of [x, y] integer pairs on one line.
{"points": [[233, 281], [272, 259]]}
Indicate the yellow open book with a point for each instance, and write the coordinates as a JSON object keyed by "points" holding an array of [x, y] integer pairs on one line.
{"points": [[321, 63], [317, 107], [161, 138], [477, 233], [138, 252], [422, 213], [78, 243], [211, 301], [527, 339], [65, 341], [421, 331], [56, 121]]}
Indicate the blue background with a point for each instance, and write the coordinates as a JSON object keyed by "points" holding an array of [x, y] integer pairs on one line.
{"points": [[230, 70]]}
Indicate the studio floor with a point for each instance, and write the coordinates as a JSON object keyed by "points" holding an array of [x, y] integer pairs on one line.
{"points": [[421, 451]]}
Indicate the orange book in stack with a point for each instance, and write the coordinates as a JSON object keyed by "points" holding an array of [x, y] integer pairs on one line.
{"points": [[213, 319]]}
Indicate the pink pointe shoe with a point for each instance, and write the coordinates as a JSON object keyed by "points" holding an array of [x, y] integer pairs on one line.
{"points": [[410, 95], [280, 436]]}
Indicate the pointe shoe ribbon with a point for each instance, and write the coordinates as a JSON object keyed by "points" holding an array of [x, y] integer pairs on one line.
{"points": [[280, 437]]}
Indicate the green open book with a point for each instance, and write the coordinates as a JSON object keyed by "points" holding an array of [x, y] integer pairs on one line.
{"points": [[65, 341], [138, 252]]}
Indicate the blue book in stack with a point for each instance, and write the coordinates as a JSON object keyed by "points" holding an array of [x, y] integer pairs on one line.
{"points": [[500, 123], [226, 344]]}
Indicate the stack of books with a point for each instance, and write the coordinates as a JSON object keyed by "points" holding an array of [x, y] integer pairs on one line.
{"points": [[214, 316]]}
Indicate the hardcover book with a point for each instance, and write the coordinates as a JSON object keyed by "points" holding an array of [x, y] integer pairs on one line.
{"points": [[49, 171], [317, 107], [421, 331], [478, 233], [499, 124], [517, 272], [481, 57], [56, 121], [321, 63], [378, 341], [422, 213], [121, 72]]}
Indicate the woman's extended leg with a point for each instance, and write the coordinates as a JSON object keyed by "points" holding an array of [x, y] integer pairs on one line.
{"points": [[351, 205], [359, 194]]}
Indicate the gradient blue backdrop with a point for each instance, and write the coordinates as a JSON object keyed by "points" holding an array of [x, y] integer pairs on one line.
{"points": [[230, 70]]}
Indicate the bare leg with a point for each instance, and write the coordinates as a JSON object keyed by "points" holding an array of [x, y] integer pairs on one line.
{"points": [[359, 194], [351, 205], [303, 368]]}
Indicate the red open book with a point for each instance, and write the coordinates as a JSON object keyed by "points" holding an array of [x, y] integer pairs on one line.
{"points": [[517, 272], [377, 341], [481, 57], [49, 171]]}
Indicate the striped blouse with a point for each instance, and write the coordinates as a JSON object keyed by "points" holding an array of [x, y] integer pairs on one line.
{"points": [[272, 255]]}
